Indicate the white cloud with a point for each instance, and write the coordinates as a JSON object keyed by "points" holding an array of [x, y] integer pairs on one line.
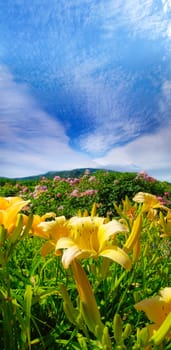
{"points": [[31, 140], [106, 103], [96, 143], [165, 101], [33, 162], [107, 134], [166, 5], [169, 30], [36, 143], [149, 152], [142, 17], [115, 109], [166, 89], [97, 83], [20, 115]]}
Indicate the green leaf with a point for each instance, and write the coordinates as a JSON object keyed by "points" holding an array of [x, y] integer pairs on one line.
{"points": [[117, 328], [14, 236], [162, 332], [27, 308], [28, 226]]}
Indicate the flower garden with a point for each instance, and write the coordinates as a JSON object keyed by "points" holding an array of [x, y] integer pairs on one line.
{"points": [[85, 262]]}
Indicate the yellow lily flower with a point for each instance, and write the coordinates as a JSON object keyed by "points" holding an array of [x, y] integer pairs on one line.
{"points": [[133, 241], [51, 231], [91, 237], [88, 305], [150, 202], [9, 209], [157, 309], [165, 222], [37, 230]]}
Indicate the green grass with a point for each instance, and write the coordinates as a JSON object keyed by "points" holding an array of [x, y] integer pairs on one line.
{"points": [[32, 308]]}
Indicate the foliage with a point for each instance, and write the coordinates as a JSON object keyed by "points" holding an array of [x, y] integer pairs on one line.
{"points": [[99, 301], [67, 195]]}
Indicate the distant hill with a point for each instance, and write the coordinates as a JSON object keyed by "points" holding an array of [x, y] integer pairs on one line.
{"points": [[74, 173], [51, 174]]}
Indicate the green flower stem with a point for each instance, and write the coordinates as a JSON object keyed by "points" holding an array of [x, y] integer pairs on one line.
{"points": [[8, 318]]}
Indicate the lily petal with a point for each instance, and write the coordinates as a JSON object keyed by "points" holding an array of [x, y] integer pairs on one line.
{"points": [[53, 229], [72, 253], [107, 230], [84, 230], [155, 309], [47, 248], [118, 255], [166, 295], [135, 234], [149, 201], [88, 305], [9, 208], [64, 242]]}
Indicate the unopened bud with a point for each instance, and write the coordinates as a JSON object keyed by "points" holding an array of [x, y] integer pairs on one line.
{"points": [[117, 328]]}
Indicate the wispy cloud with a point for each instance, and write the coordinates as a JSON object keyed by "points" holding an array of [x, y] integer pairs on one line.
{"points": [[119, 107], [104, 107], [21, 116], [149, 152], [137, 17], [31, 140], [109, 97], [101, 69], [166, 5]]}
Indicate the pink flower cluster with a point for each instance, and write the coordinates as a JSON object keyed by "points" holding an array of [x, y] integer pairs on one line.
{"points": [[88, 193], [167, 194], [61, 207], [39, 189], [73, 181], [92, 179], [58, 195], [115, 182], [22, 189], [57, 178], [144, 176], [44, 179], [164, 200], [68, 180], [161, 200], [75, 193]]}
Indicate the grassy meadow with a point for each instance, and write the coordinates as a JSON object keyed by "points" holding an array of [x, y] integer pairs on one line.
{"points": [[85, 262]]}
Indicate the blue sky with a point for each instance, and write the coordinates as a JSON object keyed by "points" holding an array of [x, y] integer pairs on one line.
{"points": [[85, 83]]}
